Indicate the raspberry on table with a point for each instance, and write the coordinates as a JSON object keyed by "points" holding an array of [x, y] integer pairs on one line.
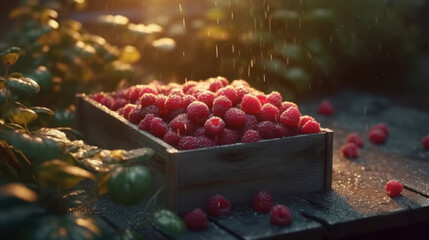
{"points": [[275, 98], [382, 126], [144, 124], [147, 99], [196, 220], [311, 126], [325, 108], [182, 125], [214, 125], [158, 127], [228, 136], [267, 130], [393, 188], [235, 118], [188, 143], [350, 150], [174, 101], [269, 112], [262, 201], [119, 103], [280, 215], [377, 136], [228, 92], [356, 139], [171, 138], [218, 205], [290, 117], [198, 112], [250, 136], [220, 105], [425, 142], [250, 104], [207, 97]]}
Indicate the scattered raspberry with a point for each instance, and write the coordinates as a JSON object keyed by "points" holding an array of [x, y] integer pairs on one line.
{"points": [[425, 142], [269, 112], [108, 101], [147, 99], [251, 122], [290, 117], [158, 127], [250, 104], [182, 125], [171, 138], [262, 201], [228, 92], [198, 112], [304, 119], [356, 139], [204, 141], [350, 150], [325, 108], [218, 205], [383, 127], [220, 105], [196, 220], [188, 143], [377, 136], [286, 105], [267, 130], [393, 188], [235, 118], [214, 125], [136, 115], [207, 97], [144, 124], [188, 99], [250, 136], [280, 215], [311, 127], [275, 98], [228, 136], [119, 103], [174, 101]]}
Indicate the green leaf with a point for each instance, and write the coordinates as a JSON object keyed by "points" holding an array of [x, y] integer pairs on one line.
{"points": [[43, 77], [24, 116], [11, 50], [168, 222], [22, 86]]}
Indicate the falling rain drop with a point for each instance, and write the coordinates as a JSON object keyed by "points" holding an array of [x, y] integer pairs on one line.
{"points": [[217, 52]]}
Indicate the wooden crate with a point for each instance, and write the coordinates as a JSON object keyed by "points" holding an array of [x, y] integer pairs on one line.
{"points": [[288, 165]]}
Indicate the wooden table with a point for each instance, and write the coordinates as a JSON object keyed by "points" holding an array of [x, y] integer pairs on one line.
{"points": [[356, 205]]}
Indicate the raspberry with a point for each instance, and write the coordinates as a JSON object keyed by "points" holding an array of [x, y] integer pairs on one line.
{"points": [[269, 112], [188, 85], [267, 130], [240, 83], [251, 122], [250, 136], [393, 188], [425, 142], [262, 98], [250, 104], [204, 141], [200, 132], [262, 201], [218, 205], [171, 138], [160, 103], [174, 113], [206, 97], [228, 92], [196, 220], [220, 105], [280, 215], [136, 115], [350, 150], [310, 127], [223, 80], [98, 96], [275, 98], [304, 119], [127, 109], [241, 91], [174, 101], [280, 130], [151, 109], [286, 105], [356, 139], [198, 112], [119, 103], [145, 122], [188, 99], [235, 118], [158, 127], [325, 108], [108, 101], [228, 136], [291, 131], [188, 143], [182, 125], [290, 117], [133, 93], [217, 83], [383, 127], [214, 125], [147, 99], [377, 136]]}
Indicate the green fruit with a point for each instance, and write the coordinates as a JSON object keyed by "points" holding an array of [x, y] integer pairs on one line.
{"points": [[127, 185], [168, 222]]}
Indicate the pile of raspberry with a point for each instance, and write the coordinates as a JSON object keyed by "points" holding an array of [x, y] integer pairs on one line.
{"points": [[208, 113]]}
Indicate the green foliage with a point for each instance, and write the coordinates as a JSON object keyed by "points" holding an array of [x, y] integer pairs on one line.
{"points": [[168, 222]]}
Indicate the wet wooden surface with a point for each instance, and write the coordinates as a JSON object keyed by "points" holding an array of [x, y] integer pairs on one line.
{"points": [[357, 203]]}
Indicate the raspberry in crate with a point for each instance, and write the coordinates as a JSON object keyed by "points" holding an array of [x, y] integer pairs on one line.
{"points": [[213, 136]]}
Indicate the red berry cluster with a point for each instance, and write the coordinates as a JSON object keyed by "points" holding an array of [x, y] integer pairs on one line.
{"points": [[208, 113]]}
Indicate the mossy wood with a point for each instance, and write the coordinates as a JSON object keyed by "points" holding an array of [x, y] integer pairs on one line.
{"points": [[298, 164]]}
